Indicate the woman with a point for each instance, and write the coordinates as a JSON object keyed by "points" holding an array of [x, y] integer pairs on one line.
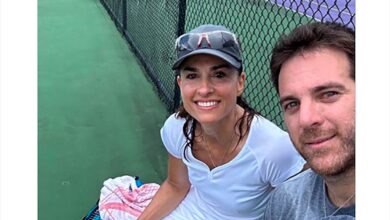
{"points": [[224, 158]]}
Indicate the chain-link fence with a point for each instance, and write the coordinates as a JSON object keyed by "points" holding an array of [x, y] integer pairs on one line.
{"points": [[151, 28]]}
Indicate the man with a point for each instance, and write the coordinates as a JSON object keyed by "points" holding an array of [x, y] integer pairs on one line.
{"points": [[313, 70]]}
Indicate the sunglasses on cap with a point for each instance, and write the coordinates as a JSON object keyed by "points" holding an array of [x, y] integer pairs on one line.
{"points": [[219, 40]]}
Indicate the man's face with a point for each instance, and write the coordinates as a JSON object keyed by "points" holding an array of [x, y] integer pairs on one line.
{"points": [[318, 101]]}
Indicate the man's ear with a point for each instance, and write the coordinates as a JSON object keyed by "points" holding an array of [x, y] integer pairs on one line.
{"points": [[241, 84]]}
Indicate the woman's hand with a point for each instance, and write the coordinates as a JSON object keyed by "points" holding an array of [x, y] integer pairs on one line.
{"points": [[171, 193]]}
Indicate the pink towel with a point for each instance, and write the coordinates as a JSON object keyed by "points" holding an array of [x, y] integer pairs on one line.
{"points": [[118, 202]]}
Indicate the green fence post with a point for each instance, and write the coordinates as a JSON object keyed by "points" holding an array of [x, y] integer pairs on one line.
{"points": [[124, 12], [180, 30]]}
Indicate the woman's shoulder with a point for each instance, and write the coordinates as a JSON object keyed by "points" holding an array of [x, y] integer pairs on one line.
{"points": [[268, 141], [264, 130], [172, 135], [265, 123], [173, 127], [174, 121]]}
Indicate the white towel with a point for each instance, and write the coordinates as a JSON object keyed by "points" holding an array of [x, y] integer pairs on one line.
{"points": [[118, 201]]}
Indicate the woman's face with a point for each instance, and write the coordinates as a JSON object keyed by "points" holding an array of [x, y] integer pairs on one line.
{"points": [[209, 88]]}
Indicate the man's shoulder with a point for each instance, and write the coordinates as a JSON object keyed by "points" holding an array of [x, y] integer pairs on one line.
{"points": [[290, 199], [297, 185]]}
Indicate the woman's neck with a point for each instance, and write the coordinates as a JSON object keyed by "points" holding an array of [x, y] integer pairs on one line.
{"points": [[223, 131]]}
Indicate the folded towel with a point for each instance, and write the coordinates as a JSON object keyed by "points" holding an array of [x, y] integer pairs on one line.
{"points": [[121, 199]]}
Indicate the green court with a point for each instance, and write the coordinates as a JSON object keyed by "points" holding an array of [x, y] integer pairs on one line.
{"points": [[98, 115]]}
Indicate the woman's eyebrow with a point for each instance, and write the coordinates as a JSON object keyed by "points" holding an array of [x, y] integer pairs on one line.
{"points": [[223, 65], [194, 69], [189, 68]]}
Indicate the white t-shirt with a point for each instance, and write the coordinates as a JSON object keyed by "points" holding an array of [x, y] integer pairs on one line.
{"points": [[240, 188]]}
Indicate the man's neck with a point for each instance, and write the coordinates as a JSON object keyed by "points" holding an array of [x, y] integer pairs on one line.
{"points": [[341, 188]]}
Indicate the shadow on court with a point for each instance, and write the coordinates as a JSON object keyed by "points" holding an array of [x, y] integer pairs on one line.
{"points": [[98, 116]]}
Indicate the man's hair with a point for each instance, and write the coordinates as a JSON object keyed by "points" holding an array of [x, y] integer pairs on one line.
{"points": [[311, 37]]}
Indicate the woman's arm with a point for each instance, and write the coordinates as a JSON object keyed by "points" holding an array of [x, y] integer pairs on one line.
{"points": [[171, 193]]}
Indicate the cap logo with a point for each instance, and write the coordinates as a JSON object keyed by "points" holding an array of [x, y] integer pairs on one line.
{"points": [[204, 36]]}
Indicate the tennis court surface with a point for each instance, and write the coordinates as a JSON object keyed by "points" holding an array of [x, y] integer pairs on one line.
{"points": [[98, 115]]}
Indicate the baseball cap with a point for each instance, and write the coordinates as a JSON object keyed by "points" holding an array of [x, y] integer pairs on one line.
{"points": [[210, 39]]}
